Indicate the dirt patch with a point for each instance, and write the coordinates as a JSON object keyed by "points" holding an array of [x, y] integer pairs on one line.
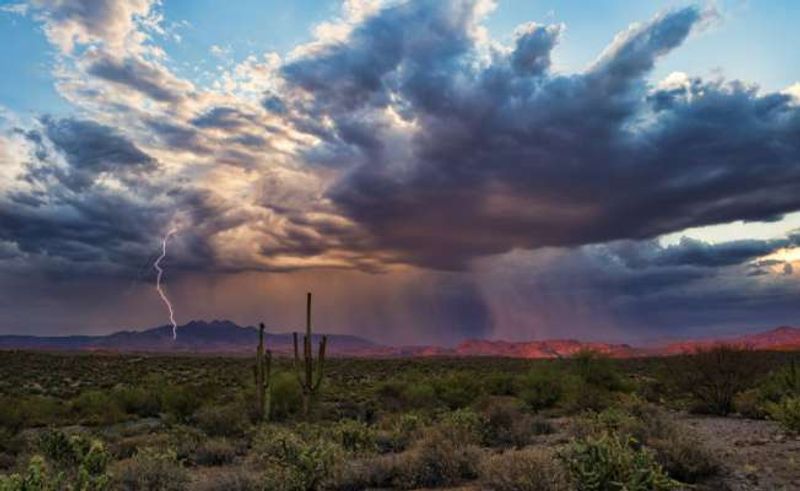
{"points": [[756, 454]]}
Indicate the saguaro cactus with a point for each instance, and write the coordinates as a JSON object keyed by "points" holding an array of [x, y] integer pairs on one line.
{"points": [[309, 380], [263, 371]]}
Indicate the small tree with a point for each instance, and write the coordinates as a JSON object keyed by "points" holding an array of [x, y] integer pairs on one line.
{"points": [[714, 376], [309, 381]]}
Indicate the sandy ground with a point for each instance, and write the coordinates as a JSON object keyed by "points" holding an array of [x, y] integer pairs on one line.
{"points": [[756, 454]]}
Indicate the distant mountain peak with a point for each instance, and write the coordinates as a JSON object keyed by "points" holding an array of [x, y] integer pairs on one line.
{"points": [[224, 336]]}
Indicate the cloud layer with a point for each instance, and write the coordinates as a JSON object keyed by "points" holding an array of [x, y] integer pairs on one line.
{"points": [[404, 138]]}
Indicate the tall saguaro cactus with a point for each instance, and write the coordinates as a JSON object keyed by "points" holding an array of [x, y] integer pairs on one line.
{"points": [[263, 374], [309, 380]]}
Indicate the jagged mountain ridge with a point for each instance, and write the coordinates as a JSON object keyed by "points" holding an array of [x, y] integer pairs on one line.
{"points": [[222, 336]]}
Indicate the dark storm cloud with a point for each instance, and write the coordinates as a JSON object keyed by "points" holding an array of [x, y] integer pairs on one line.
{"points": [[637, 290], [505, 154], [89, 150], [693, 252], [66, 222], [138, 75]]}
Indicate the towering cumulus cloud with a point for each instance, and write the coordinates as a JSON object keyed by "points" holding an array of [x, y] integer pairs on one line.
{"points": [[481, 187], [501, 153]]}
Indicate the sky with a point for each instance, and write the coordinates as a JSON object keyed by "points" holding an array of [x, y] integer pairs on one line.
{"points": [[433, 170]]}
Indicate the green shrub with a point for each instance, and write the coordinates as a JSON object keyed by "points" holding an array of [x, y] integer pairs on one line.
{"points": [[540, 388], [504, 424], [457, 390], [11, 417], [94, 407], [781, 383], [597, 370], [230, 480], [179, 402], [714, 376], [419, 396], [462, 425], [137, 400], [151, 469], [299, 462], [354, 436], [612, 462], [92, 473], [37, 477], [391, 393], [214, 452], [63, 450], [787, 413], [684, 456], [32, 411], [183, 440], [286, 400], [399, 432], [224, 420], [500, 384], [436, 460], [79, 459], [750, 404], [528, 469]]}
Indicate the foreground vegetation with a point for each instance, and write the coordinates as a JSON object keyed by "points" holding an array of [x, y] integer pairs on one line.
{"points": [[100, 421]]}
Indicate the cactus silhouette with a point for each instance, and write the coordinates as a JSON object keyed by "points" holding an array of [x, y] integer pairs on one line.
{"points": [[263, 372], [309, 380]]}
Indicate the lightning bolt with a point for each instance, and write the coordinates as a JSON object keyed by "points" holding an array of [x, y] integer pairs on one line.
{"points": [[161, 292]]}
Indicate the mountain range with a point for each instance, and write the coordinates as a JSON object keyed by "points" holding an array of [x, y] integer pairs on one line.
{"points": [[227, 337]]}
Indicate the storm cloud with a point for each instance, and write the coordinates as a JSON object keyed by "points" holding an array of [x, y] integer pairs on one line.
{"points": [[420, 173], [503, 153]]}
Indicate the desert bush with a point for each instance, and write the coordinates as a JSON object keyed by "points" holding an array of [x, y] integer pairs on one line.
{"points": [[436, 460], [214, 452], [786, 412], [681, 454], [613, 462], [597, 370], [92, 473], [540, 388], [391, 394], [81, 461], [11, 416], [505, 424], [36, 477], [151, 469], [179, 402], [182, 440], [781, 383], [286, 399], [684, 456], [420, 396], [125, 448], [61, 449], [354, 436], [750, 404], [137, 400], [462, 425], [95, 407], [457, 390], [398, 432], [714, 376], [528, 469], [224, 420], [293, 461], [498, 383], [230, 480]]}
